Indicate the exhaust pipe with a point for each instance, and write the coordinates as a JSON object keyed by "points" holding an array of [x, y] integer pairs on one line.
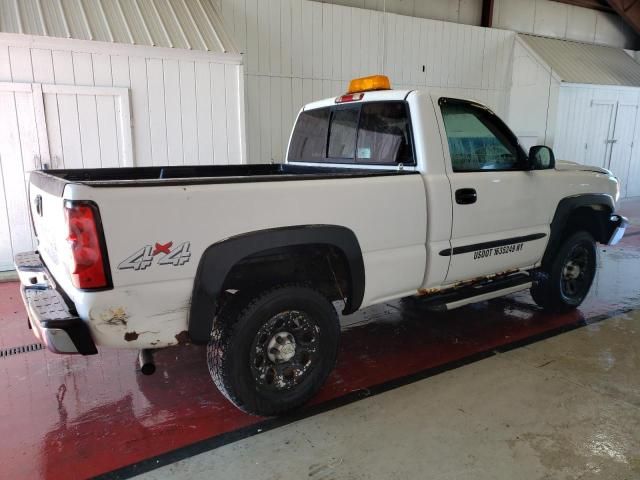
{"points": [[146, 362]]}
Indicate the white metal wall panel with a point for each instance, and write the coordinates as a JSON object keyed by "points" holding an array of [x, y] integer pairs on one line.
{"points": [[532, 97], [297, 51], [184, 107], [458, 11], [163, 98], [19, 152]]}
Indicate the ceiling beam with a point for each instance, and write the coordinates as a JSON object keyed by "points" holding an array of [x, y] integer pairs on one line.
{"points": [[629, 10], [487, 13], [601, 5]]}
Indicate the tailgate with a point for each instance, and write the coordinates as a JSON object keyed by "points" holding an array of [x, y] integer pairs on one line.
{"points": [[47, 212]]}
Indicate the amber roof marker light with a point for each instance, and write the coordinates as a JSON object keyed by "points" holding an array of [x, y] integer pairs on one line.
{"points": [[358, 86], [369, 84]]}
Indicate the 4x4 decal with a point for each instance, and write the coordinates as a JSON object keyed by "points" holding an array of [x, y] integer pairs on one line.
{"points": [[145, 257]]}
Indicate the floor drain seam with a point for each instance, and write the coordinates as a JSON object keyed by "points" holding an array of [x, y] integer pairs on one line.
{"points": [[12, 351]]}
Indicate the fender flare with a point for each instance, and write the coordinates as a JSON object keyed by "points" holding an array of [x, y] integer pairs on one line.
{"points": [[563, 211], [218, 260]]}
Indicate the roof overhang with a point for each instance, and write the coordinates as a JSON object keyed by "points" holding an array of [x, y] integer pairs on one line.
{"points": [[577, 62]]}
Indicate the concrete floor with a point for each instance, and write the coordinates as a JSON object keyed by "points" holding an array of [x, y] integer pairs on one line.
{"points": [[564, 408]]}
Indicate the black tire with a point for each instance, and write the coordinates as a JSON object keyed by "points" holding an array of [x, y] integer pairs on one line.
{"points": [[240, 353], [561, 286]]}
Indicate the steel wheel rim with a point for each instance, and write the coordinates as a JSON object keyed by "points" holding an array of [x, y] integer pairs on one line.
{"points": [[285, 350], [576, 274]]}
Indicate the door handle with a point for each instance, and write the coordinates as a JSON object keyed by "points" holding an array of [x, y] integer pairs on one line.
{"points": [[466, 196]]}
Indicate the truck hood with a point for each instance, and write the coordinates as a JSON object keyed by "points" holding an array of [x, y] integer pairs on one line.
{"points": [[565, 165]]}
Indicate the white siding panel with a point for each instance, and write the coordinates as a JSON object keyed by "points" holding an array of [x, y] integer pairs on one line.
{"points": [[89, 134], [144, 90], [42, 66], [296, 38], [11, 161], [317, 47], [218, 106], [173, 110], [327, 41], [253, 119], [109, 136], [264, 37], [266, 155], [157, 112], [204, 119], [275, 50], [5, 64], [20, 60], [285, 36], [120, 71], [275, 107], [189, 113], [252, 52], [307, 39], [233, 107], [287, 112]]}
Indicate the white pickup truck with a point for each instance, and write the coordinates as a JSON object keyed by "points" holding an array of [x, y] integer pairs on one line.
{"points": [[384, 194]]}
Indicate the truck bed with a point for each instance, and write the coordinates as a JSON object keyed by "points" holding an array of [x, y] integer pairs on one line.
{"points": [[54, 181]]}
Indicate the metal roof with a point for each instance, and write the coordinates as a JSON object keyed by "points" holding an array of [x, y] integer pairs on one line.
{"points": [[576, 62], [186, 24]]}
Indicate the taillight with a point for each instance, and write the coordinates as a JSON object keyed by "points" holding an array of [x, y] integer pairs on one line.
{"points": [[86, 259]]}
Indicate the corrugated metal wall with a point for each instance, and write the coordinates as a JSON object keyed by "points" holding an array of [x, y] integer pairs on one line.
{"points": [[297, 51], [188, 24]]}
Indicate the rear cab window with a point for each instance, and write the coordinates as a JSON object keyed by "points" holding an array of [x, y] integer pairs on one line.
{"points": [[372, 133]]}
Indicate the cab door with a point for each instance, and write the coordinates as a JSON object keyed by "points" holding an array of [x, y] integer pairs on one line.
{"points": [[499, 222]]}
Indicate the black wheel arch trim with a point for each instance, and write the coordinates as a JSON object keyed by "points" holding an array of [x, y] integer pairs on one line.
{"points": [[563, 211], [218, 260]]}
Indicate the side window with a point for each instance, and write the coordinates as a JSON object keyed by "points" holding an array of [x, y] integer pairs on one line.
{"points": [[309, 139], [342, 133], [477, 140], [384, 134]]}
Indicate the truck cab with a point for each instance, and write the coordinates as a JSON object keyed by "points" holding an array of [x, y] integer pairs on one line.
{"points": [[490, 204]]}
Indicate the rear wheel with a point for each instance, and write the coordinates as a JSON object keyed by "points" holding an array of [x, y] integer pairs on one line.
{"points": [[271, 350], [566, 281]]}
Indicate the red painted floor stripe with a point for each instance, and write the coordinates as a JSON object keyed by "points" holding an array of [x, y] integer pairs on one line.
{"points": [[75, 417]]}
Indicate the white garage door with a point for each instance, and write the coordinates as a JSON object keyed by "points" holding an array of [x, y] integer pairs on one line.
{"points": [[600, 126], [54, 126], [610, 141]]}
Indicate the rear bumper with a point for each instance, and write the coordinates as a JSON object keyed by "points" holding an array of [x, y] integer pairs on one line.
{"points": [[51, 315], [617, 226]]}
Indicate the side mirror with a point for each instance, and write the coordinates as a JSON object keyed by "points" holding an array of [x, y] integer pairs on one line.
{"points": [[541, 157]]}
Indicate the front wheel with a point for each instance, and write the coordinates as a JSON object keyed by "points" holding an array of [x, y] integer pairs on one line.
{"points": [[272, 350], [566, 281]]}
